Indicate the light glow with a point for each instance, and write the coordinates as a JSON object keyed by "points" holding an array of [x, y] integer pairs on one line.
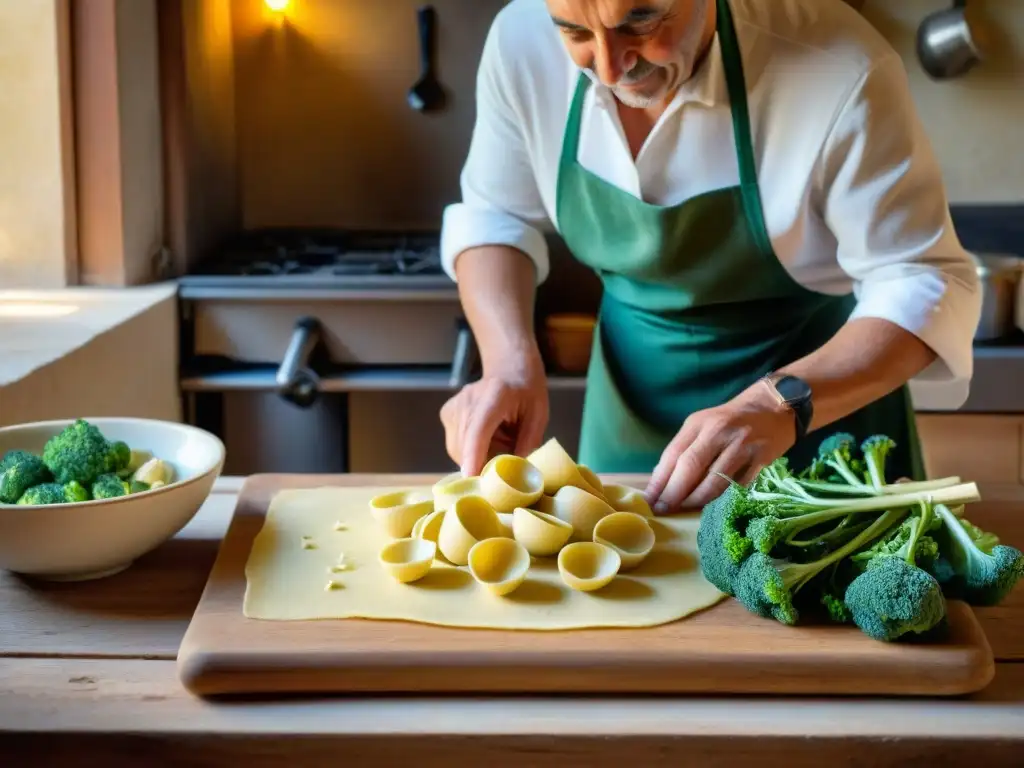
{"points": [[277, 6], [28, 309]]}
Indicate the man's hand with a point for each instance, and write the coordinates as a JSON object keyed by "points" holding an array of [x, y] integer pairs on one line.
{"points": [[500, 413], [736, 439]]}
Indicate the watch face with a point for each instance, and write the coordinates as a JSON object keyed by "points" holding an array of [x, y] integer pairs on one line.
{"points": [[792, 389]]}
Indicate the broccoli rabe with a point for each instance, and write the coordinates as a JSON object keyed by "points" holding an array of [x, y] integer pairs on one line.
{"points": [[137, 486], [19, 471], [910, 541], [766, 585], [52, 493], [717, 565], [876, 450], [762, 519], [894, 598], [109, 486], [979, 569], [838, 538]]}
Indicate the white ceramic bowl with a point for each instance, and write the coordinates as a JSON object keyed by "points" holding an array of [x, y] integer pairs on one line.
{"points": [[91, 539]]}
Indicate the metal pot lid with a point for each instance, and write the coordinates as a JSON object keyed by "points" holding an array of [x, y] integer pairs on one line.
{"points": [[989, 264]]}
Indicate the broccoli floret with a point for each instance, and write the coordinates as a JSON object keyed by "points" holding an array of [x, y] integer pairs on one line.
{"points": [[45, 493], [836, 608], [909, 541], [118, 456], [894, 598], [876, 451], [78, 453], [109, 486], [767, 586], [980, 570], [15, 457], [19, 471], [716, 563], [137, 486], [836, 452], [75, 492]]}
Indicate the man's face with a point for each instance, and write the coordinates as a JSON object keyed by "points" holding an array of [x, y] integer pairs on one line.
{"points": [[641, 49]]}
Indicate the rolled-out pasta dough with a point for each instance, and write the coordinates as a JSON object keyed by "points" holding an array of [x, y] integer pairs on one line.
{"points": [[286, 580]]}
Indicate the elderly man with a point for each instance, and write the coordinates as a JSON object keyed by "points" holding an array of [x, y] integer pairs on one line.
{"points": [[751, 183]]}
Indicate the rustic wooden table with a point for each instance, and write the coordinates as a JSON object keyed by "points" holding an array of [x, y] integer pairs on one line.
{"points": [[87, 677]]}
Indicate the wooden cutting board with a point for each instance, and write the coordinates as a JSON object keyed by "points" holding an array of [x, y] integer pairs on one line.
{"points": [[724, 649]]}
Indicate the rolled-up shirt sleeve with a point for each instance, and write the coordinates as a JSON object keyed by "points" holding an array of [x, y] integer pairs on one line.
{"points": [[501, 203], [882, 195]]}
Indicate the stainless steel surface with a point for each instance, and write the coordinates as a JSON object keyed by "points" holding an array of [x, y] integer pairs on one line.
{"points": [[947, 44], [296, 380], [385, 288], [400, 379], [1000, 276], [355, 332], [264, 433]]}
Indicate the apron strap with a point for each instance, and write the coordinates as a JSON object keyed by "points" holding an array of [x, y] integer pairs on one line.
{"points": [[571, 137], [732, 60]]}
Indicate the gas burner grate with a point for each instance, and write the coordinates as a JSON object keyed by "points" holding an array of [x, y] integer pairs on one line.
{"points": [[283, 253]]}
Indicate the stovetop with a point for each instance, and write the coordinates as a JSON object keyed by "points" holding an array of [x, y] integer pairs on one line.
{"points": [[292, 258]]}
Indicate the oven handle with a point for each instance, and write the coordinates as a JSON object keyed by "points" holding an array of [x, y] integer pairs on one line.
{"points": [[466, 357], [295, 379]]}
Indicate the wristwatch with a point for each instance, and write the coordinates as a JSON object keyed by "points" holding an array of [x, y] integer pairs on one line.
{"points": [[794, 393]]}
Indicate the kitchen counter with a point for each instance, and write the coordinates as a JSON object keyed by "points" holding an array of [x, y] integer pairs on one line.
{"points": [[87, 677], [78, 346]]}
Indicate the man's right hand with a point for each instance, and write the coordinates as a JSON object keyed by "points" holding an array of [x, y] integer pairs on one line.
{"points": [[503, 412]]}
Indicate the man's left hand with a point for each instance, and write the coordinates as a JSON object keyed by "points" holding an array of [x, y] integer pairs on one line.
{"points": [[736, 440]]}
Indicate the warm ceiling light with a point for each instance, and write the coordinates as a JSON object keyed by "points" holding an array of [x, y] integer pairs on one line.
{"points": [[277, 5]]}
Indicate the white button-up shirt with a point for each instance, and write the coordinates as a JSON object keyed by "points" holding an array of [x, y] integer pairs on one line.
{"points": [[852, 192]]}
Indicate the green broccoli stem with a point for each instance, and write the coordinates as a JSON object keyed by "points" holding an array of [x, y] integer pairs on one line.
{"points": [[955, 529], [922, 525], [890, 489], [838, 463], [844, 528], [808, 571], [957, 494]]}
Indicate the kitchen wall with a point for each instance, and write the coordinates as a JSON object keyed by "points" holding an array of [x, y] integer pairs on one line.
{"points": [[326, 136], [974, 122], [37, 206]]}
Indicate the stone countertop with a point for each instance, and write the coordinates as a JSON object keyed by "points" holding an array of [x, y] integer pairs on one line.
{"points": [[38, 328]]}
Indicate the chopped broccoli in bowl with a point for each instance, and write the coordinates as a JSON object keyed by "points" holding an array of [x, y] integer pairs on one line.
{"points": [[79, 464], [19, 471]]}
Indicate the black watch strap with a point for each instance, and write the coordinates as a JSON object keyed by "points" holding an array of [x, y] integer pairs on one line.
{"points": [[795, 394]]}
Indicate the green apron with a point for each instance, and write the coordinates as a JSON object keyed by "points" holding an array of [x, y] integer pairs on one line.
{"points": [[696, 306]]}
